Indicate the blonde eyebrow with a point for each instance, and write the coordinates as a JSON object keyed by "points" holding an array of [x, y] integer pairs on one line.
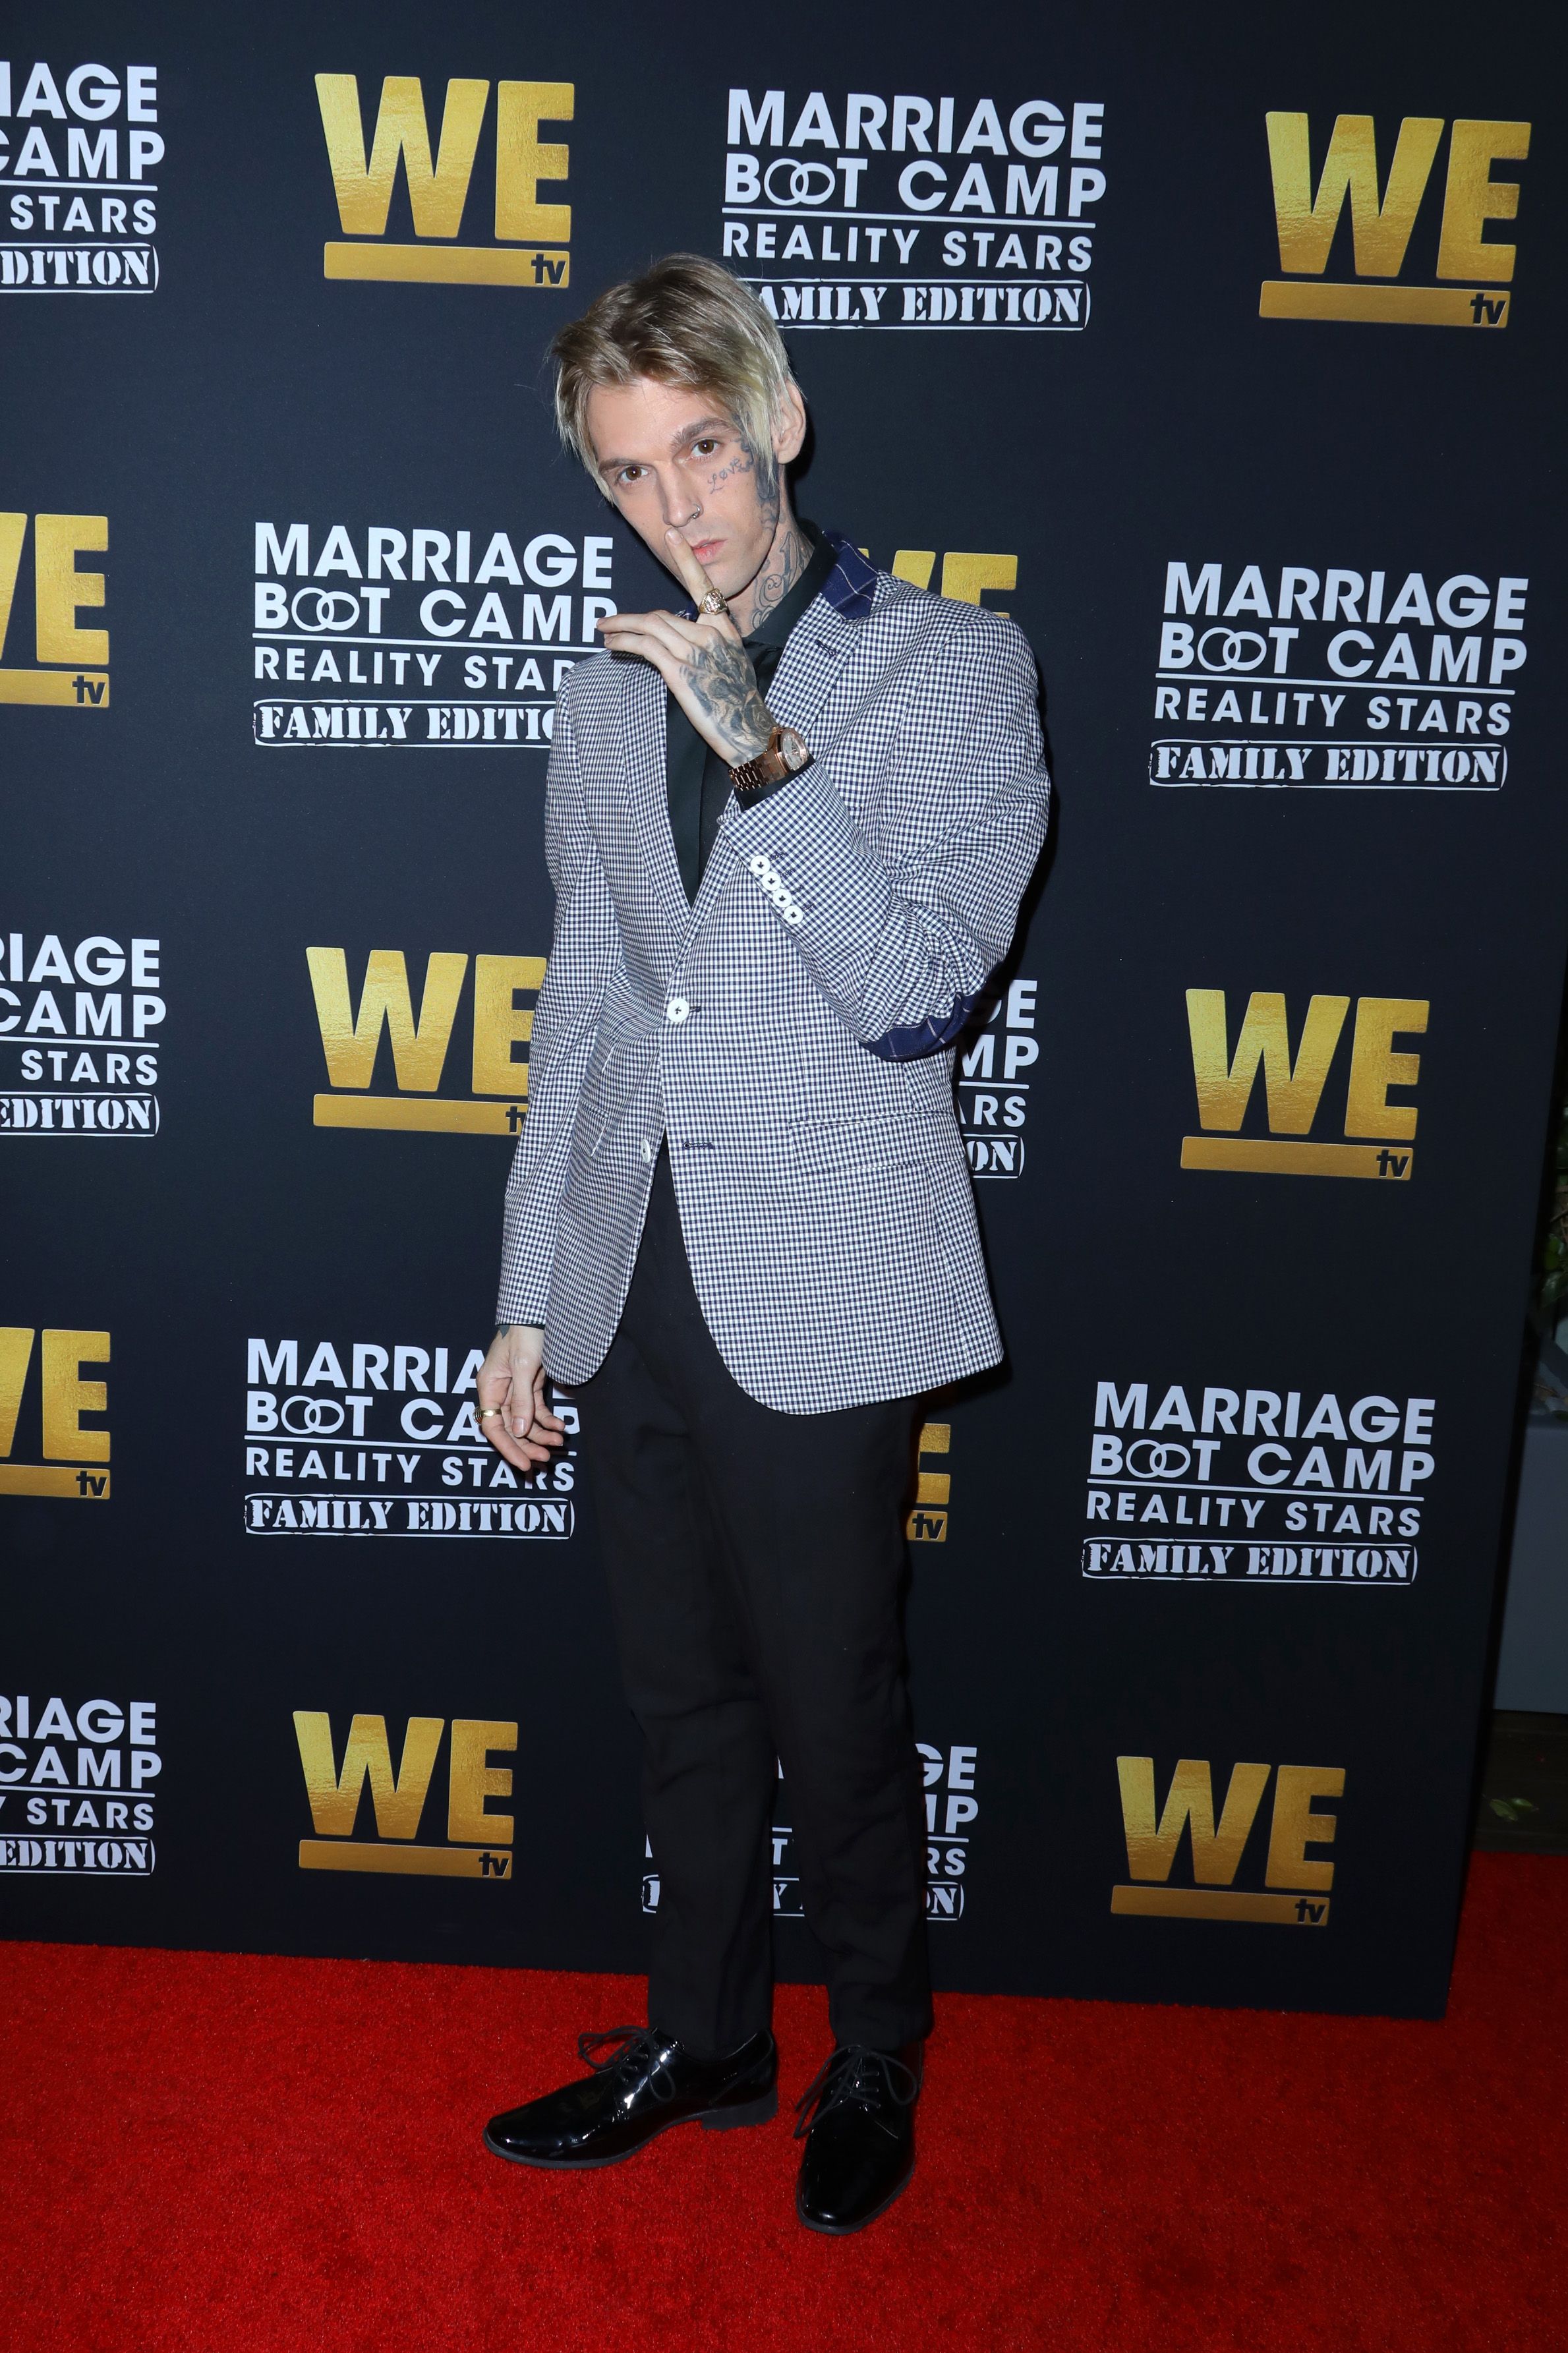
{"points": [[677, 441], [703, 424]]}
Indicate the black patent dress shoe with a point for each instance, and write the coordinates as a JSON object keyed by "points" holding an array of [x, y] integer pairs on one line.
{"points": [[857, 2120], [642, 2083]]}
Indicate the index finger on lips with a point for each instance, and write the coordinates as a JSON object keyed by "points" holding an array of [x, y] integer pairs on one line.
{"points": [[690, 571]]}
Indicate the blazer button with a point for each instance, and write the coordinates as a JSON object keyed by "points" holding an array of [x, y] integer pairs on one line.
{"points": [[647, 1149], [676, 1010]]}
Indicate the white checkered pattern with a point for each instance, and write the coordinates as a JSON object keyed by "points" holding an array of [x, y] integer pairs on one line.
{"points": [[823, 1192]]}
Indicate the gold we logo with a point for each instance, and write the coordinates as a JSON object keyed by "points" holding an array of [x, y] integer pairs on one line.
{"points": [[1294, 1086], [1473, 273], [1295, 1891], [73, 662], [479, 1843], [419, 1038], [531, 237], [71, 1450]]}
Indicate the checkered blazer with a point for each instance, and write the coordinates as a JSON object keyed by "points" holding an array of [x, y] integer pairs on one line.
{"points": [[791, 1033]]}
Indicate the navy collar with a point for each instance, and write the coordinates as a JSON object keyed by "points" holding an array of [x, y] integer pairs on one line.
{"points": [[851, 586]]}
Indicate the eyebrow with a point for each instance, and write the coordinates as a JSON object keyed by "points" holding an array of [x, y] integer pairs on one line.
{"points": [[703, 424], [677, 440]]}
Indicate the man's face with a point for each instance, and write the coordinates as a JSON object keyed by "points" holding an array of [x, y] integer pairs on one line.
{"points": [[674, 460]]}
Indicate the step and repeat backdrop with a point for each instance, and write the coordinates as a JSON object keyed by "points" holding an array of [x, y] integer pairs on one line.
{"points": [[1216, 350]]}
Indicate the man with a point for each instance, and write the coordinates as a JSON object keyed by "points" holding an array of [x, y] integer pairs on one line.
{"points": [[789, 831]]}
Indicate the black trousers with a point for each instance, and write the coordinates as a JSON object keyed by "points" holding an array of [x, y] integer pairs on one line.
{"points": [[755, 1560]]}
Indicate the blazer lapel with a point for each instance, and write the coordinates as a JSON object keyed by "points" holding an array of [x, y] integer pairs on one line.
{"points": [[820, 646], [648, 786]]}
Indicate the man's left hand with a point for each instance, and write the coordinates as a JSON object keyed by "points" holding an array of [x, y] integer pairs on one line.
{"points": [[702, 662]]}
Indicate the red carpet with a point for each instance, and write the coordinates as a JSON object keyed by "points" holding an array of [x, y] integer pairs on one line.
{"points": [[211, 2155]]}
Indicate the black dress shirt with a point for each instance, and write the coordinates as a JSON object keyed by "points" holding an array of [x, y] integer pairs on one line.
{"points": [[698, 779]]}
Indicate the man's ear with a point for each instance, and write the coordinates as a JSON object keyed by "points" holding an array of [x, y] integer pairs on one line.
{"points": [[789, 426]]}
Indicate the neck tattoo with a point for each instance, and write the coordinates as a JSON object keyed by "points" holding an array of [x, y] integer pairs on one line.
{"points": [[785, 561]]}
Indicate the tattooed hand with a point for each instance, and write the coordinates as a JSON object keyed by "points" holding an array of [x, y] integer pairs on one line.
{"points": [[702, 662], [718, 684]]}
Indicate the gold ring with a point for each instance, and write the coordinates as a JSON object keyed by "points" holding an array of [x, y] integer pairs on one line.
{"points": [[710, 601], [486, 1412]]}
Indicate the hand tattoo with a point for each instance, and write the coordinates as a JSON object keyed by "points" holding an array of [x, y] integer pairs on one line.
{"points": [[721, 680]]}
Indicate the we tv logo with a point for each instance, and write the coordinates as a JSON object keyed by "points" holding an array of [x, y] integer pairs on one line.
{"points": [[478, 1845], [72, 670], [419, 1039], [47, 1412], [1378, 1133], [1472, 272], [1184, 1865], [531, 237]]}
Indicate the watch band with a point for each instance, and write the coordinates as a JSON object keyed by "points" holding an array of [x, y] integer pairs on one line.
{"points": [[771, 765]]}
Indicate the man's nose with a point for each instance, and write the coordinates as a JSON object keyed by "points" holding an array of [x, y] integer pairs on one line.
{"points": [[678, 501]]}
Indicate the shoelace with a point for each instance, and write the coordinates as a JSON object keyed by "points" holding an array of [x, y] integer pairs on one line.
{"points": [[632, 2050], [848, 2076]]}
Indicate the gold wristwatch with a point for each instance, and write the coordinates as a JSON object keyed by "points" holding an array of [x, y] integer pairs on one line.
{"points": [[784, 755]]}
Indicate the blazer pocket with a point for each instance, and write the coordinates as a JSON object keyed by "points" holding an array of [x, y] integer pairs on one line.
{"points": [[854, 1146]]}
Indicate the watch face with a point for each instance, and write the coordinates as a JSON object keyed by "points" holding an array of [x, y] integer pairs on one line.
{"points": [[793, 748]]}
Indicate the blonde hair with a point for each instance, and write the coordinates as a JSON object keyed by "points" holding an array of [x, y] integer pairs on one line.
{"points": [[685, 321]]}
